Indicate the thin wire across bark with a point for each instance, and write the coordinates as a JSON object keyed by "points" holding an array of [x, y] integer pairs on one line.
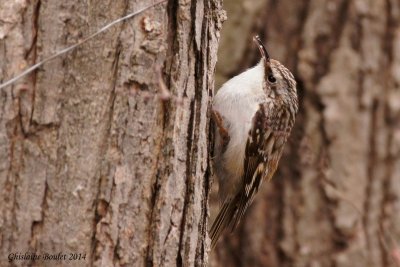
{"points": [[67, 49]]}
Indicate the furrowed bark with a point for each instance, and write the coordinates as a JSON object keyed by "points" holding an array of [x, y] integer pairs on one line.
{"points": [[92, 161]]}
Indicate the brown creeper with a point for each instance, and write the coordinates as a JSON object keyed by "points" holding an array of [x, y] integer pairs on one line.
{"points": [[254, 113]]}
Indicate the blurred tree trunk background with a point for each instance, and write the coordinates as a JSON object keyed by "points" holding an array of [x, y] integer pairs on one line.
{"points": [[335, 200], [91, 160]]}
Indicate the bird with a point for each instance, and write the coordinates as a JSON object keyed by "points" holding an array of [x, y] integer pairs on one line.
{"points": [[254, 113]]}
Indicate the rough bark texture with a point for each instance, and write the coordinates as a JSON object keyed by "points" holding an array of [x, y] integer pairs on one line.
{"points": [[335, 200], [91, 161]]}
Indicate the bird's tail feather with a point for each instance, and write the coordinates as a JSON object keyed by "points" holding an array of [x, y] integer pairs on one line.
{"points": [[222, 220]]}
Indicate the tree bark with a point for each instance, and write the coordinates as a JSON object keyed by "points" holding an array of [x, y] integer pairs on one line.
{"points": [[335, 198], [92, 162]]}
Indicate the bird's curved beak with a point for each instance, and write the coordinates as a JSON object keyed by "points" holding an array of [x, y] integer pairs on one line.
{"points": [[262, 48], [264, 54]]}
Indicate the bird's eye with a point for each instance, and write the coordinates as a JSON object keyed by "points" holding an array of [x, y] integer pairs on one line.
{"points": [[271, 78]]}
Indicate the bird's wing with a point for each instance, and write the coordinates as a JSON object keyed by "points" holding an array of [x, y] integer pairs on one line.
{"points": [[263, 149], [259, 142], [233, 208]]}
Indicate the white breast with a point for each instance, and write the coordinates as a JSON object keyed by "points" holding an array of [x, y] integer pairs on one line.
{"points": [[237, 101]]}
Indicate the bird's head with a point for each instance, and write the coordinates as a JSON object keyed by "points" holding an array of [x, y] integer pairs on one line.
{"points": [[278, 81]]}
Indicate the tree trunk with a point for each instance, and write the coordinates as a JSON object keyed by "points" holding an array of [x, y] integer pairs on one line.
{"points": [[92, 162], [335, 198]]}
